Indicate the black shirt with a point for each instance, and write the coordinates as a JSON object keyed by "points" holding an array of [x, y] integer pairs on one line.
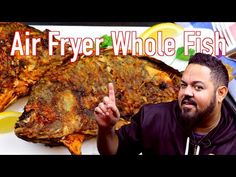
{"points": [[156, 130]]}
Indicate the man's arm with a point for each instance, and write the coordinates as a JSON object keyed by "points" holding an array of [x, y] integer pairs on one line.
{"points": [[107, 142], [107, 114]]}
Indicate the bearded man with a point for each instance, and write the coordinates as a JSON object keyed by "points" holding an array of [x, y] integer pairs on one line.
{"points": [[199, 122]]}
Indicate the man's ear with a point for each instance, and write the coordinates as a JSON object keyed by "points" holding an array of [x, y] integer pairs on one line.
{"points": [[221, 93]]}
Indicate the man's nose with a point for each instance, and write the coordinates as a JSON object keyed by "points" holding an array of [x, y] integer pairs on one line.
{"points": [[188, 91]]}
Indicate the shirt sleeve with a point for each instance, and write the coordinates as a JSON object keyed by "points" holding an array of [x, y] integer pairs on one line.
{"points": [[130, 136]]}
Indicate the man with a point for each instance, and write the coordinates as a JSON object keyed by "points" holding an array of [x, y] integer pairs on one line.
{"points": [[197, 123]]}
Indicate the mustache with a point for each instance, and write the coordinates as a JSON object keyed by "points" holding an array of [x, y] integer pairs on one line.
{"points": [[187, 100]]}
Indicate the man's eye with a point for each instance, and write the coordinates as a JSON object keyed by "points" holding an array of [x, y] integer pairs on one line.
{"points": [[198, 88], [182, 85]]}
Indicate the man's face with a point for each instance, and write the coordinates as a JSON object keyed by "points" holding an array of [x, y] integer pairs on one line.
{"points": [[197, 97]]}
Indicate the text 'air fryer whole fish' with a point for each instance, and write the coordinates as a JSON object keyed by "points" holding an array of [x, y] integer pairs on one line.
{"points": [[61, 104], [18, 72]]}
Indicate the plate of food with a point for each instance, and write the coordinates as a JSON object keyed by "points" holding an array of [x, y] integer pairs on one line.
{"points": [[25, 71], [55, 86]]}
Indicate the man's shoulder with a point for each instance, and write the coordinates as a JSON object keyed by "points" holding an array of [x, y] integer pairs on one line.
{"points": [[163, 109], [162, 105], [165, 112], [228, 109]]}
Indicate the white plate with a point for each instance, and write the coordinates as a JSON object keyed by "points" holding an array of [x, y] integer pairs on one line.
{"points": [[10, 144]]}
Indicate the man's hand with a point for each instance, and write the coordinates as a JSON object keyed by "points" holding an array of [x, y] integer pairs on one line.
{"points": [[106, 113]]}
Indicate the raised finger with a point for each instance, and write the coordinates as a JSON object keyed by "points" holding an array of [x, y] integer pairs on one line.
{"points": [[111, 92]]}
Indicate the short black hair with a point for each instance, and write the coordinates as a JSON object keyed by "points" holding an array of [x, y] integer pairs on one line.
{"points": [[219, 72]]}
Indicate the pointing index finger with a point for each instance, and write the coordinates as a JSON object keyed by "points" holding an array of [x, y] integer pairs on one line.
{"points": [[111, 92]]}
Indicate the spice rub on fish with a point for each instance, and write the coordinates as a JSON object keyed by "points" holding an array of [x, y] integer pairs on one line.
{"points": [[62, 103], [19, 72]]}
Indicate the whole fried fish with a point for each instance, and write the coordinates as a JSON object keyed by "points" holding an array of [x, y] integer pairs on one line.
{"points": [[62, 103], [19, 72]]}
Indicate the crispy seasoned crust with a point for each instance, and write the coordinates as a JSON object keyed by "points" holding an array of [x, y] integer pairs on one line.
{"points": [[19, 72], [63, 101]]}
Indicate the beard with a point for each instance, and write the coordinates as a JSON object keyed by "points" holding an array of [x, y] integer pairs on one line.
{"points": [[191, 119]]}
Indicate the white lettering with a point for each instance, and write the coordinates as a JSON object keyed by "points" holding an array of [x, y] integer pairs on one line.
{"points": [[120, 42], [17, 45], [51, 43]]}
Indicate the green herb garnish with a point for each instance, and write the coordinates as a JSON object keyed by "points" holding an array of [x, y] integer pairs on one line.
{"points": [[107, 41], [180, 54]]}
